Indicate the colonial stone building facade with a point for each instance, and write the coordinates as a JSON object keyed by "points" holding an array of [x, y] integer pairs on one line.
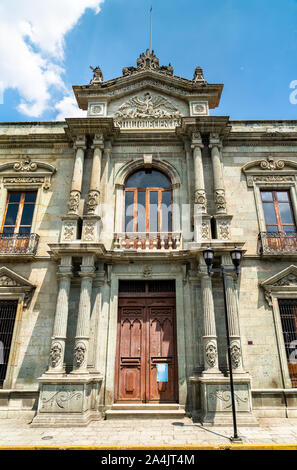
{"points": [[103, 284]]}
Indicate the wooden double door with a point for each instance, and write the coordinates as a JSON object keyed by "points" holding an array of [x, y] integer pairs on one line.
{"points": [[146, 337]]}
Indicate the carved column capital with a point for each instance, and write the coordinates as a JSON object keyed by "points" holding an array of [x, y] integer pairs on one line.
{"points": [[215, 141], [98, 141], [196, 140], [80, 142]]}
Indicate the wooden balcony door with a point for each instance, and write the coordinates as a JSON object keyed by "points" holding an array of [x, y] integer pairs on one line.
{"points": [[146, 337]]}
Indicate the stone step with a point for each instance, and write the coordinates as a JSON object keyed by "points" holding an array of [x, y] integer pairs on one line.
{"points": [[146, 406], [145, 411]]}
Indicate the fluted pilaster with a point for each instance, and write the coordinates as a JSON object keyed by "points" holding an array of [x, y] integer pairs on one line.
{"points": [[81, 347], [94, 191], [218, 177], [57, 352], [210, 347], [233, 320], [75, 193], [199, 192]]}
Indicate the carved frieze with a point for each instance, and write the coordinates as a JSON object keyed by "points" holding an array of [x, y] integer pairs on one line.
{"points": [[147, 106]]}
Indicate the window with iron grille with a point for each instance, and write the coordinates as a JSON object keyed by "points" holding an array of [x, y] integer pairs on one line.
{"points": [[288, 313], [8, 310]]}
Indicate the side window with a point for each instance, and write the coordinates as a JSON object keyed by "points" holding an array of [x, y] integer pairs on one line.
{"points": [[18, 213], [288, 313], [8, 310]]}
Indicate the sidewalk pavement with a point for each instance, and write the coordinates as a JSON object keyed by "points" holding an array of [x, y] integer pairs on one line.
{"points": [[158, 432]]}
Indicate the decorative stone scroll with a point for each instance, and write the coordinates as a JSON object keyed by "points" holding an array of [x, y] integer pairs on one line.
{"points": [[270, 170], [28, 172]]}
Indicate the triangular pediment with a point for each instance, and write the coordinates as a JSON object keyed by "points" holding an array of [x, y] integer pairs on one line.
{"points": [[9, 278], [285, 278], [148, 74]]}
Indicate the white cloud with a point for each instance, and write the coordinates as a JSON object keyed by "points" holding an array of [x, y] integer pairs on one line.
{"points": [[32, 36], [67, 107]]}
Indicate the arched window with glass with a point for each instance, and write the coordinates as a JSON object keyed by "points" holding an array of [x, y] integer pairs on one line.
{"points": [[148, 209]]}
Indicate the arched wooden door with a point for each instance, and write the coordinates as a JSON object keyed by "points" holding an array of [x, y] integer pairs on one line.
{"points": [[146, 337]]}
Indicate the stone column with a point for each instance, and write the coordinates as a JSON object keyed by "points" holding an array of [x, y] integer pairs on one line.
{"points": [[91, 229], [201, 219], [75, 193], [210, 347], [218, 178], [57, 352], [233, 320], [80, 354], [94, 191], [199, 192]]}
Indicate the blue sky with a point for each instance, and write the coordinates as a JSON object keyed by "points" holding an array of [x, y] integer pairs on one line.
{"points": [[249, 45]]}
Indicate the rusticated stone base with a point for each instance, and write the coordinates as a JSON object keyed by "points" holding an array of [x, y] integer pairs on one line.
{"points": [[68, 401], [215, 401]]}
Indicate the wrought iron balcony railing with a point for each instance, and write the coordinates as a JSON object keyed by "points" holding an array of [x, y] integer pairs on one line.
{"points": [[276, 243], [18, 244], [147, 241]]}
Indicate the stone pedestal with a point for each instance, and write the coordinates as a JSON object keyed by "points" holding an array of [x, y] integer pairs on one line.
{"points": [[215, 401], [69, 231], [202, 229], [68, 401], [223, 226], [91, 228]]}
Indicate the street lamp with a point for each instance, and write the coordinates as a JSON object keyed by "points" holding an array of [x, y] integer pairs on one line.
{"points": [[236, 256]]}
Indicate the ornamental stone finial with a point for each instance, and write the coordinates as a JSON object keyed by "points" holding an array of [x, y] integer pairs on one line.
{"points": [[198, 76], [148, 61]]}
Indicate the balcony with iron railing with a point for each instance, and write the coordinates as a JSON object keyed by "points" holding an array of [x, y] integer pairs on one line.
{"points": [[18, 244], [277, 243], [148, 241]]}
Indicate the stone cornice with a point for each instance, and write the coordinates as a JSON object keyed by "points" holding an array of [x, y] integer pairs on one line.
{"points": [[90, 126], [204, 124], [33, 140]]}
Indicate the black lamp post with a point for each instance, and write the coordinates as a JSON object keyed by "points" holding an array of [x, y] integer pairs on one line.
{"points": [[236, 256]]}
